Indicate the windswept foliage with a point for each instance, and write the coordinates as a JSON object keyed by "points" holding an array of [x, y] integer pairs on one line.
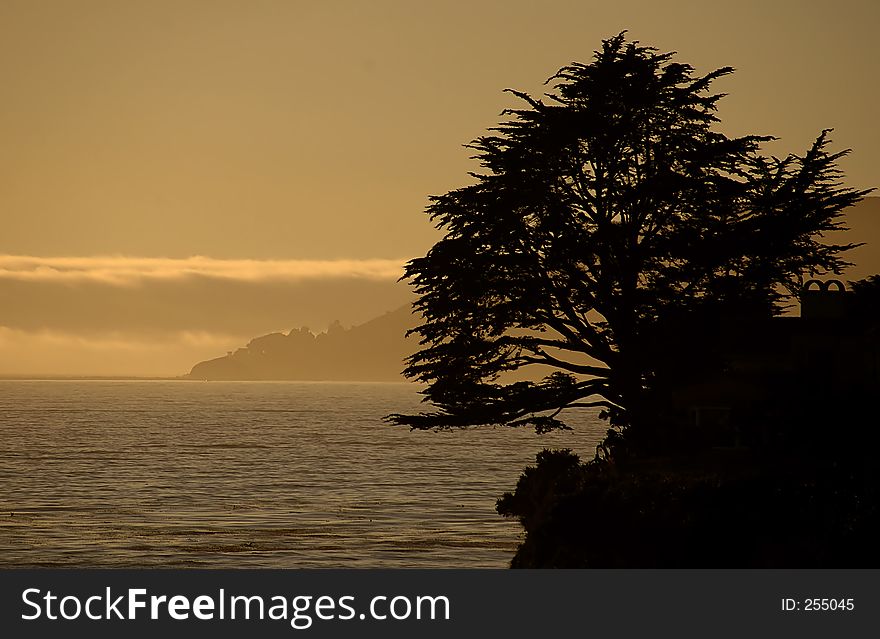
{"points": [[602, 213]]}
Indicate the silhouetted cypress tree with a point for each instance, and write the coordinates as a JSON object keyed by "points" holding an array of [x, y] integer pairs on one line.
{"points": [[602, 213]]}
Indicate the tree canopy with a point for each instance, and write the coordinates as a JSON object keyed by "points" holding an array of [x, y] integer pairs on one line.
{"points": [[603, 213]]}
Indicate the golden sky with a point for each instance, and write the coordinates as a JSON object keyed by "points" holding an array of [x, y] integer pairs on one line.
{"points": [[301, 132]]}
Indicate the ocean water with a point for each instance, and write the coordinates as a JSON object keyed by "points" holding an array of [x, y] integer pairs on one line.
{"points": [[252, 474]]}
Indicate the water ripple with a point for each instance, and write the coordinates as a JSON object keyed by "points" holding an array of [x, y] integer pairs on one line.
{"points": [[226, 474]]}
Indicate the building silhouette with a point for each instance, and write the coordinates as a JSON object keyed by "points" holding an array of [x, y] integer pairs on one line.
{"points": [[777, 380]]}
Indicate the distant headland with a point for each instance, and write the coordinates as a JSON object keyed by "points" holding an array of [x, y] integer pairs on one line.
{"points": [[373, 351]]}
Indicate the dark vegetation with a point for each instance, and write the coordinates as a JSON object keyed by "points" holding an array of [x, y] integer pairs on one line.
{"points": [[643, 261], [785, 475]]}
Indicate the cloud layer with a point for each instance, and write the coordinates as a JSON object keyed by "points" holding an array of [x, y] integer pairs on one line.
{"points": [[128, 271], [159, 316]]}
